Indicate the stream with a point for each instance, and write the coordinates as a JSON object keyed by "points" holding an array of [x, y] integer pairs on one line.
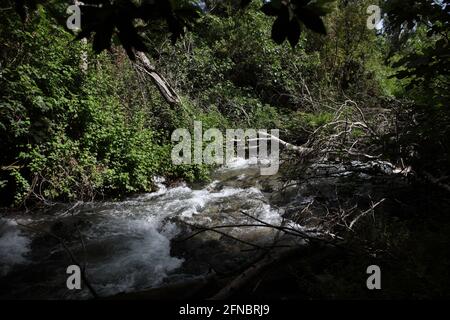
{"points": [[141, 242], [127, 245]]}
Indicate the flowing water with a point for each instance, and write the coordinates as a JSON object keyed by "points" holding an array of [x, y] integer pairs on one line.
{"points": [[127, 245]]}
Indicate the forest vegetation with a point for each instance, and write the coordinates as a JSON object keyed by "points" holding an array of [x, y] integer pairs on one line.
{"points": [[86, 120]]}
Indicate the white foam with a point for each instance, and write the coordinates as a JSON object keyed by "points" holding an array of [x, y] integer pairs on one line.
{"points": [[269, 215], [128, 242], [13, 246], [239, 163], [138, 257]]}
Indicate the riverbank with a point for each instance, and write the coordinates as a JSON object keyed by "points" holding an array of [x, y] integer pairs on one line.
{"points": [[184, 241]]}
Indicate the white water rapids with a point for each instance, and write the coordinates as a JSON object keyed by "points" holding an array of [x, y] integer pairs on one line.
{"points": [[127, 243]]}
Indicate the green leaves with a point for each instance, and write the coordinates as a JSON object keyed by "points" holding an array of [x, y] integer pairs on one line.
{"points": [[291, 14], [102, 19], [428, 55]]}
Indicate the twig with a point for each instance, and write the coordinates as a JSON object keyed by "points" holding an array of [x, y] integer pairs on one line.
{"points": [[364, 213]]}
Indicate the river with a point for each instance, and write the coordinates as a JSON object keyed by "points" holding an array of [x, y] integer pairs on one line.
{"points": [[127, 245], [143, 242]]}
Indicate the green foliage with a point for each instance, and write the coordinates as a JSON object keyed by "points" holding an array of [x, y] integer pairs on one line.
{"points": [[72, 135], [231, 63], [103, 20], [420, 52], [76, 135]]}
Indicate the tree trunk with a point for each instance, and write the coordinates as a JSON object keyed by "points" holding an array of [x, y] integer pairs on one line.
{"points": [[169, 94], [84, 55]]}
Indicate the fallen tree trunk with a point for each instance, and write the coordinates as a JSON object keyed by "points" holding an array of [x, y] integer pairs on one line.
{"points": [[144, 64], [298, 149], [253, 271], [313, 249]]}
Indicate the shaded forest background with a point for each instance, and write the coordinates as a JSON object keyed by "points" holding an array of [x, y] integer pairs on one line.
{"points": [[69, 134]]}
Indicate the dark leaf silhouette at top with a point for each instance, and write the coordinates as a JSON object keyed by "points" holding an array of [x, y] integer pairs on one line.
{"points": [[290, 13], [311, 20], [280, 27], [23, 6], [294, 33], [103, 19], [119, 18], [270, 9], [245, 3]]}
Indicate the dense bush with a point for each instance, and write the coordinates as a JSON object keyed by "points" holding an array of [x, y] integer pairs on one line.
{"points": [[68, 134]]}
